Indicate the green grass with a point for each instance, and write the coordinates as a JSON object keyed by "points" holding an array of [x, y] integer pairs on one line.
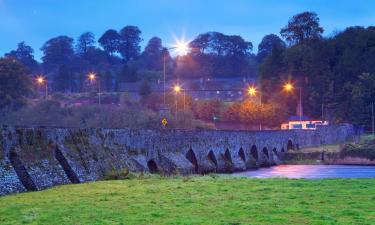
{"points": [[197, 200]]}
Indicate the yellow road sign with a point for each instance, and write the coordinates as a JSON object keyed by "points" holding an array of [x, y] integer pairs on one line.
{"points": [[164, 122]]}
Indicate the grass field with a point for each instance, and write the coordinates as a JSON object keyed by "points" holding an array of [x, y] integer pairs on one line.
{"points": [[197, 200]]}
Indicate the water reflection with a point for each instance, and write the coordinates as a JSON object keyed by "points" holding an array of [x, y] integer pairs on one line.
{"points": [[311, 171]]}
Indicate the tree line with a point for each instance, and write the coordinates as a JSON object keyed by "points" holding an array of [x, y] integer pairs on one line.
{"points": [[336, 73]]}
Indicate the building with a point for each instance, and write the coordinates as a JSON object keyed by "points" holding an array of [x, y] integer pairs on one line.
{"points": [[303, 122]]}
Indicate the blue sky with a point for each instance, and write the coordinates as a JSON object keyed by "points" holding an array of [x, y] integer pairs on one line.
{"points": [[35, 21]]}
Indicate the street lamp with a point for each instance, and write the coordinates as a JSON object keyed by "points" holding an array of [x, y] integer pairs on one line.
{"points": [[41, 80], [182, 48], [288, 87], [252, 91], [92, 77], [177, 89]]}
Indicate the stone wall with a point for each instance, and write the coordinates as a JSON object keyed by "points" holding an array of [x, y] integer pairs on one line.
{"points": [[44, 157]]}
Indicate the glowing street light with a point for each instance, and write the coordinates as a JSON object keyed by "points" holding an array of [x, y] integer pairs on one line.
{"points": [[252, 91], [92, 77], [288, 87], [182, 48], [42, 81], [177, 88]]}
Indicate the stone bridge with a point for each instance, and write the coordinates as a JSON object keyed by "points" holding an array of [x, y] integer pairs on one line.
{"points": [[38, 158]]}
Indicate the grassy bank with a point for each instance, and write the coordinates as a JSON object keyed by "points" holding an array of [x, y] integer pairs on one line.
{"points": [[197, 200]]}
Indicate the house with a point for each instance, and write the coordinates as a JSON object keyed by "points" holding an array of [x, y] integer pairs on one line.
{"points": [[302, 122]]}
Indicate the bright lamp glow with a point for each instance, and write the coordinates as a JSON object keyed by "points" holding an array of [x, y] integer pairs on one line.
{"points": [[288, 87], [40, 80], [177, 88], [252, 91], [181, 47], [92, 76]]}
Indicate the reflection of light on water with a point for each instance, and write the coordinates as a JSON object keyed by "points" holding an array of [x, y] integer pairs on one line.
{"points": [[311, 171]]}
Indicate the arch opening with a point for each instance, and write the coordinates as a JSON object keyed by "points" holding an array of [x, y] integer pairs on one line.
{"points": [[254, 152], [211, 156], [152, 166], [282, 149], [274, 151], [241, 154], [265, 151], [290, 145], [190, 155], [227, 156]]}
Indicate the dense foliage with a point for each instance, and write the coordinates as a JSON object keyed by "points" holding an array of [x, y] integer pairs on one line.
{"points": [[336, 74]]}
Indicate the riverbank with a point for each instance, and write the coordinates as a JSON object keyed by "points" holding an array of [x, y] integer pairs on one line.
{"points": [[196, 200], [362, 153]]}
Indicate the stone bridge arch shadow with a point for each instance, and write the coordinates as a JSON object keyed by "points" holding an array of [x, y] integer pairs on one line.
{"points": [[254, 153], [191, 156], [225, 163], [241, 154], [213, 160], [290, 145], [152, 166], [265, 159]]}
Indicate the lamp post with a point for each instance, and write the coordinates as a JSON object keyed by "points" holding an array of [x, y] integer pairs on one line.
{"points": [[93, 77], [177, 89], [182, 48], [253, 92], [41, 80], [288, 87]]}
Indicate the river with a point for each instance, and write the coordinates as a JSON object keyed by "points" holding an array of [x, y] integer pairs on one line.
{"points": [[311, 171]]}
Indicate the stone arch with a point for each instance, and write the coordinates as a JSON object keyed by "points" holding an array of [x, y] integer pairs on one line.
{"points": [[190, 155], [21, 171], [254, 152], [290, 145], [265, 152], [274, 151], [211, 156], [241, 154], [228, 156], [152, 166]]}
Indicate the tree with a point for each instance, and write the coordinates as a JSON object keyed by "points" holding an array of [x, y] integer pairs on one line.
{"points": [[24, 54], [218, 54], [145, 89], [152, 56], [129, 44], [302, 27], [110, 41], [269, 42], [15, 85], [363, 95], [108, 81], [63, 80], [57, 51], [85, 43], [129, 73]]}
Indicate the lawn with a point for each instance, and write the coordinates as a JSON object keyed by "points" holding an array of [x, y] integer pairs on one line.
{"points": [[197, 200]]}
